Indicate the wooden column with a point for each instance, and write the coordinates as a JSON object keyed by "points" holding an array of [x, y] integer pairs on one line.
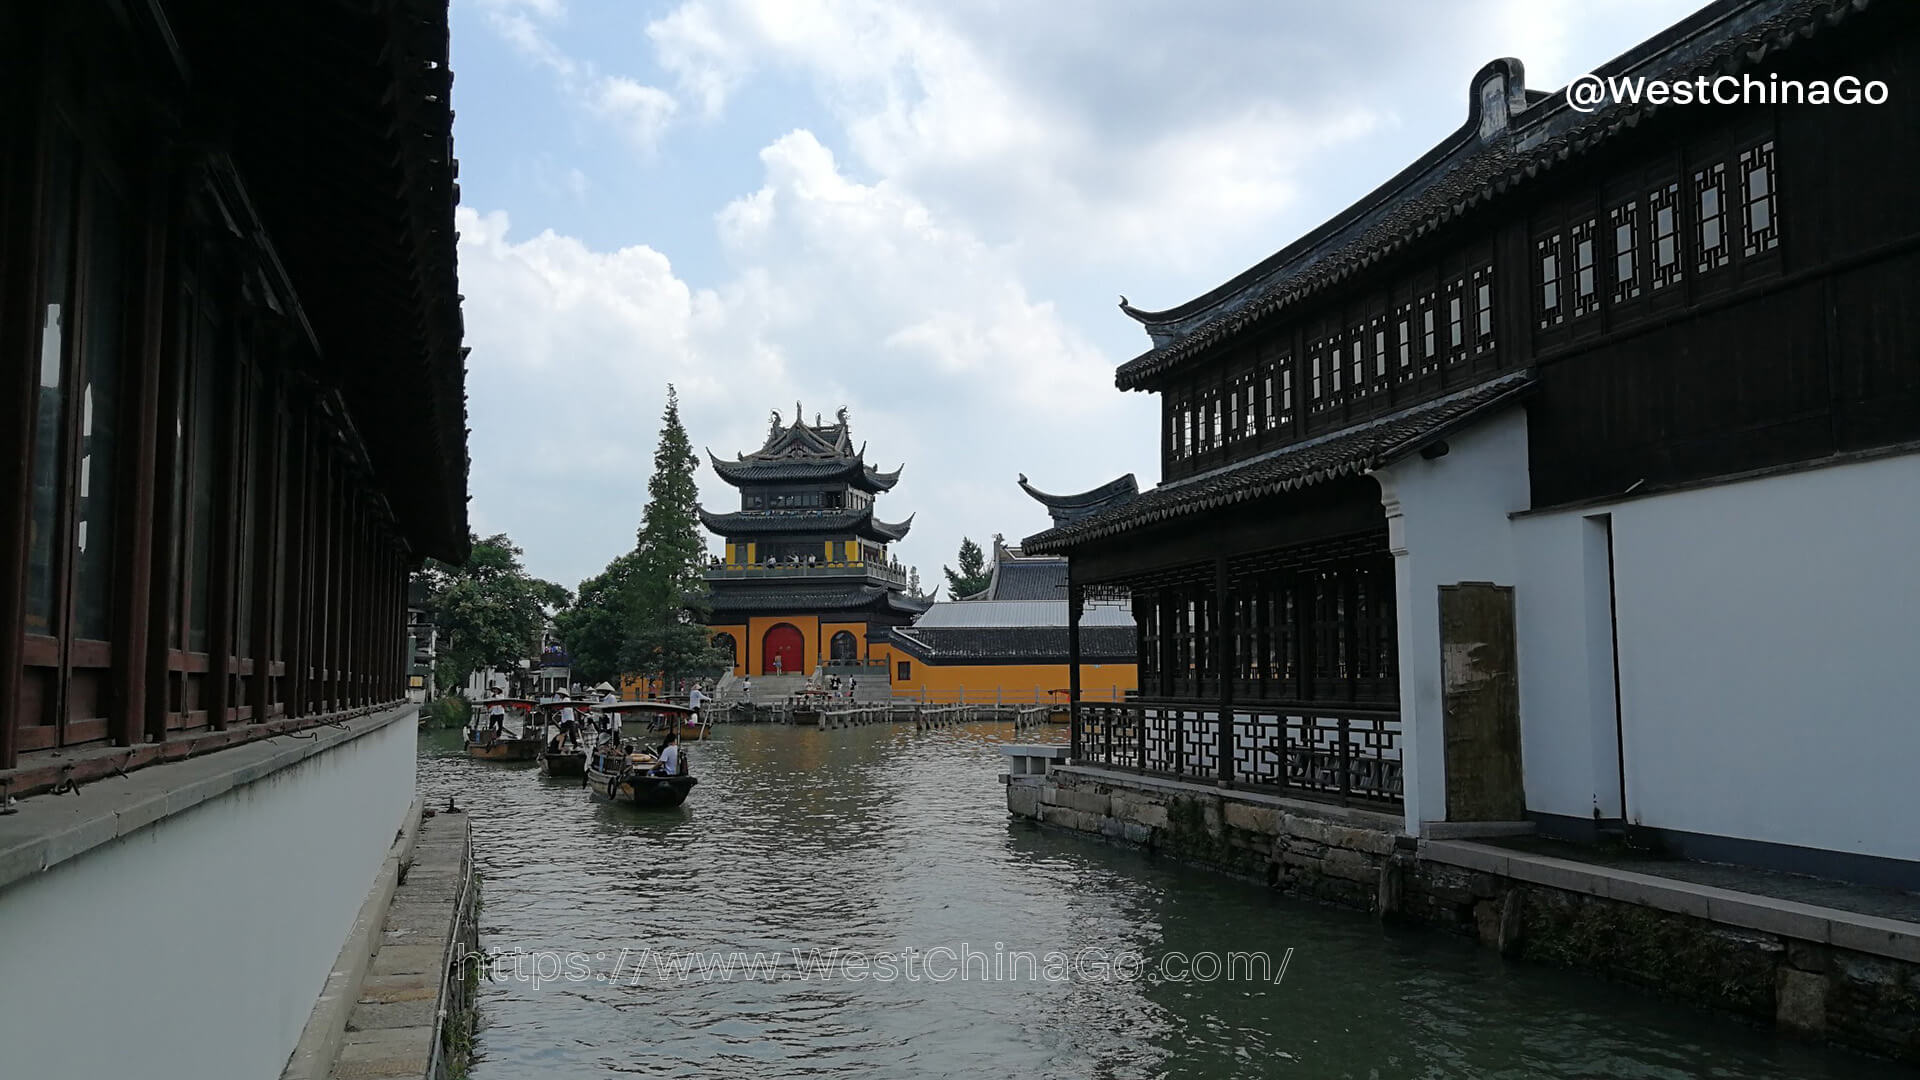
{"points": [[218, 689], [19, 288], [1226, 625], [163, 612], [266, 537], [325, 614], [140, 634], [1076, 600], [298, 488]]}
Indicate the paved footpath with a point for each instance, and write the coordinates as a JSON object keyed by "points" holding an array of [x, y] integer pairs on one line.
{"points": [[392, 1028]]}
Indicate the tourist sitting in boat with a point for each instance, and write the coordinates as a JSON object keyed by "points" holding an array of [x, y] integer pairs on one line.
{"points": [[669, 756]]}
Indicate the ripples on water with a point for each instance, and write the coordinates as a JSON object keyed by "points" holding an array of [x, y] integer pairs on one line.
{"points": [[882, 839]]}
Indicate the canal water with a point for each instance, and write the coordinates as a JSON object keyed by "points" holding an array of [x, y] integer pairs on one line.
{"points": [[857, 904]]}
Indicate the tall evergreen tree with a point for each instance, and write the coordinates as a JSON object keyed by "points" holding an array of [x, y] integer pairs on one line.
{"points": [[972, 577], [669, 596]]}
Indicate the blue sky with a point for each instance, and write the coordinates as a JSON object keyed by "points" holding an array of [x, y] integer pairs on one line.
{"points": [[923, 210]]}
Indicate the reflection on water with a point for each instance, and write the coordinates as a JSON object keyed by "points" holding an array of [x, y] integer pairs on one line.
{"points": [[882, 840]]}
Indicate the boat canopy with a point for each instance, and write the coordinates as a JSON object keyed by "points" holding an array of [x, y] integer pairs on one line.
{"points": [[509, 702], [643, 706]]}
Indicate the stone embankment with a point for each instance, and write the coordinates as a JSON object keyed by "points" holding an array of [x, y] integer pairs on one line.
{"points": [[1844, 969]]}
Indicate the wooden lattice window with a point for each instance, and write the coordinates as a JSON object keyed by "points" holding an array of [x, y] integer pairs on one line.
{"points": [[1549, 309], [1483, 309], [1759, 209], [1586, 269], [1403, 342], [1625, 221], [1664, 206], [1710, 211], [1429, 336], [1456, 318]]}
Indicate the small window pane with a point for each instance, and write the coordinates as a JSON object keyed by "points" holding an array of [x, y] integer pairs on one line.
{"points": [[105, 341], [50, 408]]}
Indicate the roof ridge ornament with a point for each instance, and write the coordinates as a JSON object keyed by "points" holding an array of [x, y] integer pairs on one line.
{"points": [[1498, 92]]}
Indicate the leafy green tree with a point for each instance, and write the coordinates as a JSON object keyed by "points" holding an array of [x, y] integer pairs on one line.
{"points": [[595, 628], [490, 609], [973, 575]]}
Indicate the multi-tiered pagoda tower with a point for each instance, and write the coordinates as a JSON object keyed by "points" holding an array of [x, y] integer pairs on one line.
{"points": [[806, 578]]}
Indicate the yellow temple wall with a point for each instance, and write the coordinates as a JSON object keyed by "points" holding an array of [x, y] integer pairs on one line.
{"points": [[739, 633], [985, 683]]}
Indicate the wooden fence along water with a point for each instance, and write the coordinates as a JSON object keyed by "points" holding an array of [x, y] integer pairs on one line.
{"points": [[843, 714]]}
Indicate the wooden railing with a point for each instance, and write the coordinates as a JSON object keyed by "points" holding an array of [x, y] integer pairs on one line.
{"points": [[1352, 752], [994, 695]]}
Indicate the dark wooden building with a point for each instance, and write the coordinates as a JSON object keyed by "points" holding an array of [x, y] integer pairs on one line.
{"points": [[230, 367], [1546, 412]]}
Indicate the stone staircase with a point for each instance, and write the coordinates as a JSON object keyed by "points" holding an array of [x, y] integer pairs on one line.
{"points": [[767, 689]]}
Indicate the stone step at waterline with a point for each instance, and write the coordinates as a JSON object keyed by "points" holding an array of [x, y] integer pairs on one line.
{"points": [[395, 1018]]}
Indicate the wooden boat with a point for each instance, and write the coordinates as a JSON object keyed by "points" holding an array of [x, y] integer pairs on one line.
{"points": [[1059, 709], [660, 717], [614, 774], [563, 762], [483, 744]]}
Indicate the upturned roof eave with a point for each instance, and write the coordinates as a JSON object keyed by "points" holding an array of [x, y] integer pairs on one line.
{"points": [[1543, 132]]}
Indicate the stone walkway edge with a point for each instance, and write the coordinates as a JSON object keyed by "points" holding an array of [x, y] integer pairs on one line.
{"points": [[392, 991]]}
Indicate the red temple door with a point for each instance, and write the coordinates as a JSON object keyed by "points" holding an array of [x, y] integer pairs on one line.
{"points": [[781, 650]]}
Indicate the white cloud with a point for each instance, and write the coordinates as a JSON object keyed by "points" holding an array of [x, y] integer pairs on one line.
{"points": [[993, 161], [641, 112], [839, 293]]}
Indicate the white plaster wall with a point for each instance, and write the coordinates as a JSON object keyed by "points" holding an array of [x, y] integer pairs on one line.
{"points": [[1568, 746], [1447, 522], [1769, 644], [196, 948]]}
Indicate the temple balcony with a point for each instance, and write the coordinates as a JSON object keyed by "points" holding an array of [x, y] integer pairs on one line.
{"points": [[887, 573]]}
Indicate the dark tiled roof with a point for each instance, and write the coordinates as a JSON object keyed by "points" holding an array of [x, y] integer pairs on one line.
{"points": [[801, 439], [1068, 508], [1028, 579], [816, 470], [1463, 173], [817, 599], [1014, 644], [762, 522], [1350, 452]]}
